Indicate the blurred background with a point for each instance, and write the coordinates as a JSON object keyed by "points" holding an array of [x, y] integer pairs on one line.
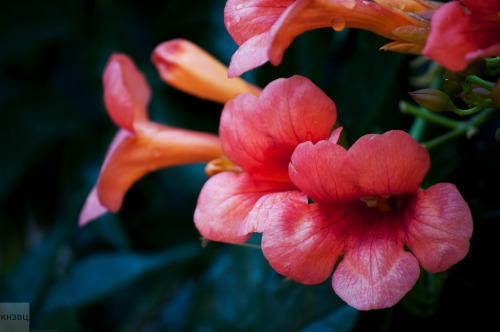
{"points": [[144, 268]]}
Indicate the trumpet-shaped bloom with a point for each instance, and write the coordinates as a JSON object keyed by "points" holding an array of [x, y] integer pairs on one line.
{"points": [[369, 214], [140, 146], [258, 135], [265, 28], [191, 69], [459, 35]]}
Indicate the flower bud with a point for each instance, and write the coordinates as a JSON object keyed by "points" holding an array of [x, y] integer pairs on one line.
{"points": [[495, 95], [478, 91], [191, 69], [433, 100], [403, 47]]}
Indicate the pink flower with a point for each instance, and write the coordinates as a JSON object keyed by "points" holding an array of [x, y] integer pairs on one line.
{"points": [[459, 35], [140, 146], [265, 28], [368, 208], [259, 136]]}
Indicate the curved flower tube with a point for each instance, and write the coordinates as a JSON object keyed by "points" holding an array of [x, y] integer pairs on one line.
{"points": [[191, 69], [142, 146], [258, 136], [368, 208], [265, 28], [460, 34]]}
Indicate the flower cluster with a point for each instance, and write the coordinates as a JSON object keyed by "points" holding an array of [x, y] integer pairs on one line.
{"points": [[277, 167]]}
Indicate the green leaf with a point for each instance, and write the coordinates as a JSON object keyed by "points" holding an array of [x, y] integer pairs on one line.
{"points": [[242, 292], [340, 320], [63, 319], [111, 231], [102, 274], [34, 270]]}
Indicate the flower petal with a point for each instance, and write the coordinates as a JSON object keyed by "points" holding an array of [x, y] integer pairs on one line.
{"points": [[438, 227], [376, 271], [335, 135], [92, 208], [316, 169], [260, 134], [485, 9], [246, 19], [288, 26], [392, 163], [189, 68], [406, 5], [457, 37], [265, 28], [153, 147], [126, 92], [259, 216], [225, 202], [304, 241], [251, 54]]}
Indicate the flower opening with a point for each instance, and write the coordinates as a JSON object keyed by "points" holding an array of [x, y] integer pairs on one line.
{"points": [[258, 136], [368, 209]]}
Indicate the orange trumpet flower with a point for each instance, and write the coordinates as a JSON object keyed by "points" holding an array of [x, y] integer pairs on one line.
{"points": [[265, 28], [142, 146]]}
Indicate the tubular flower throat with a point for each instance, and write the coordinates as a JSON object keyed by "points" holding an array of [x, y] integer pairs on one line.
{"points": [[367, 209], [265, 28], [142, 146]]}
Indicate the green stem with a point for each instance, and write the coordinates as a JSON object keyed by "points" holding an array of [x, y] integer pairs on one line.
{"points": [[485, 103], [468, 111], [464, 128], [444, 138], [482, 83], [428, 115], [468, 91], [417, 129], [493, 62]]}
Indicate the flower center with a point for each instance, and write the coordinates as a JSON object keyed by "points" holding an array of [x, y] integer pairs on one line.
{"points": [[383, 202]]}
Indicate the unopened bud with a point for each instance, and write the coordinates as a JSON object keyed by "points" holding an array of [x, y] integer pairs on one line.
{"points": [[191, 69], [411, 33], [403, 47], [478, 91], [495, 95], [433, 100]]}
